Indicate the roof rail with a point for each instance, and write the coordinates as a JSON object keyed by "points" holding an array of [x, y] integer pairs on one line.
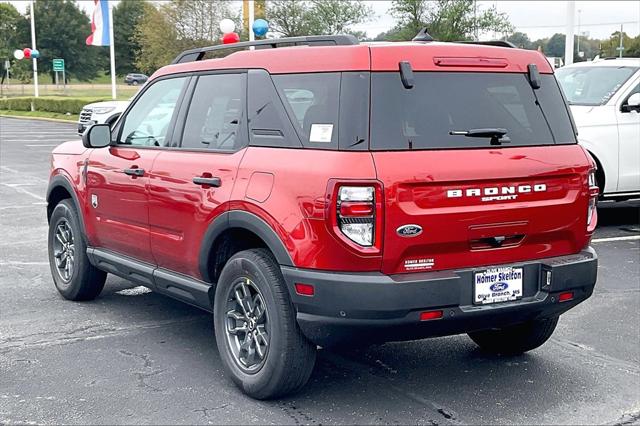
{"points": [[498, 43], [329, 40]]}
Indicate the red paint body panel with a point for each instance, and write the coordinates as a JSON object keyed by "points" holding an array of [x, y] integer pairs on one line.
{"points": [[541, 224], [120, 222], [180, 211], [296, 207], [277, 61], [423, 57]]}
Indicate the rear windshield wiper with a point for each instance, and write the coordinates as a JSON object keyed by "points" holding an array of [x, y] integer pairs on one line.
{"points": [[497, 135]]}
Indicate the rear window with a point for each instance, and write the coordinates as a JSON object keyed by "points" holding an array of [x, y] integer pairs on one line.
{"points": [[439, 103]]}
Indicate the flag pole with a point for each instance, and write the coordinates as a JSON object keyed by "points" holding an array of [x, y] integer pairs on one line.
{"points": [[33, 47], [251, 19], [112, 53]]}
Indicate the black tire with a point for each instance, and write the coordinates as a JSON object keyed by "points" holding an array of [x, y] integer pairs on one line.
{"points": [[135, 82], [289, 357], [516, 339], [84, 281]]}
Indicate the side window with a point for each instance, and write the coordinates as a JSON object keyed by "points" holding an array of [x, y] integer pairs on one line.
{"points": [[147, 122], [313, 103], [216, 113]]}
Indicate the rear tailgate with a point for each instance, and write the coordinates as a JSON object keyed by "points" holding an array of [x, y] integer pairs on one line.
{"points": [[482, 207]]}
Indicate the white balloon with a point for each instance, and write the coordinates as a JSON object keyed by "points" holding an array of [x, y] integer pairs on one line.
{"points": [[227, 26], [18, 54]]}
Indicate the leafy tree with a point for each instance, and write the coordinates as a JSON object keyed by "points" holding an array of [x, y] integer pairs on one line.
{"points": [[166, 30], [521, 40], [126, 17], [446, 20], [12, 37], [555, 45], [289, 18], [292, 18], [609, 47], [61, 30]]}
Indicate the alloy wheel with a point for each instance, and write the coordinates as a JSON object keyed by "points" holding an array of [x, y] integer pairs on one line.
{"points": [[64, 250], [247, 325]]}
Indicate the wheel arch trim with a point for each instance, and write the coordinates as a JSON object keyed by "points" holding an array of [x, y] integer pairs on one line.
{"points": [[60, 181], [243, 220]]}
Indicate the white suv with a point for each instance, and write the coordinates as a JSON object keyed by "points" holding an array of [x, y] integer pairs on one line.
{"points": [[604, 96], [99, 113]]}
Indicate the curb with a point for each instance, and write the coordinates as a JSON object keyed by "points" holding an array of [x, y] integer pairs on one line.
{"points": [[55, 120]]}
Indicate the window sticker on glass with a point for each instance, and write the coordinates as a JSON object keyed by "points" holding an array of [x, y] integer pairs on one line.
{"points": [[321, 133]]}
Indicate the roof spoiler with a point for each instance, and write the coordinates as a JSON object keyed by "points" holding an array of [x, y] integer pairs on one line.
{"points": [[497, 43], [330, 40]]}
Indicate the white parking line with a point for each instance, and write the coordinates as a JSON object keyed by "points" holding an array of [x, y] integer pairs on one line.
{"points": [[24, 191], [627, 238]]}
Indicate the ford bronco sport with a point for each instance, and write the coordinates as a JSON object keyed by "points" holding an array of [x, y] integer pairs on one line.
{"points": [[317, 191]]}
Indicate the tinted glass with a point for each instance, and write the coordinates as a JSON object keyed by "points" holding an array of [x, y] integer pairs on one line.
{"points": [[592, 85], [147, 122], [269, 123], [215, 113], [312, 101], [440, 103]]}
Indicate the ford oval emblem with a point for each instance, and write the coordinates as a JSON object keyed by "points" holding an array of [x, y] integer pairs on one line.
{"points": [[409, 230], [499, 286]]}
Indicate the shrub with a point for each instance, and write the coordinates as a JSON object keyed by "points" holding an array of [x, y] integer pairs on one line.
{"points": [[60, 105]]}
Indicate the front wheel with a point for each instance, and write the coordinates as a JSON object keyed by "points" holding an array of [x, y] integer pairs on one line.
{"points": [[74, 277], [260, 343], [516, 339]]}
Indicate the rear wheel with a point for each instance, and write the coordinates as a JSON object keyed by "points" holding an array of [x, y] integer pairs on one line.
{"points": [[258, 338], [516, 339], [74, 277]]}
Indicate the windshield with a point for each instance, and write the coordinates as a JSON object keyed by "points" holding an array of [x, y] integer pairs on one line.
{"points": [[448, 110], [592, 85]]}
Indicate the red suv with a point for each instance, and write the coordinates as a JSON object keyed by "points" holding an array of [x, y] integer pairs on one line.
{"points": [[317, 191]]}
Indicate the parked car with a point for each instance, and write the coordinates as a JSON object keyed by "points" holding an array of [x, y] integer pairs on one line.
{"points": [[100, 113], [336, 193], [604, 96], [135, 79]]}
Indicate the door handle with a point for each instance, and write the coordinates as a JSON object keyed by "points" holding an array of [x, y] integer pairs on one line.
{"points": [[134, 172], [207, 181]]}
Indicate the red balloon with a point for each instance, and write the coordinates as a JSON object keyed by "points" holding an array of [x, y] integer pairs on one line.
{"points": [[27, 52], [229, 38]]}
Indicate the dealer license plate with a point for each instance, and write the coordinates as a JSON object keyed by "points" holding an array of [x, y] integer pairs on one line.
{"points": [[497, 285]]}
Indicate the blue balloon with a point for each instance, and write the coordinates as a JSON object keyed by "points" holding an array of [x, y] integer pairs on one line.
{"points": [[260, 27], [35, 53]]}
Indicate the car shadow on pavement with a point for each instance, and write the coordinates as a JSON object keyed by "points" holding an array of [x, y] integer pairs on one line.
{"points": [[426, 378]]}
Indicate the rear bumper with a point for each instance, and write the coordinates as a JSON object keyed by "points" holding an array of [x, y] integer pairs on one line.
{"points": [[378, 307]]}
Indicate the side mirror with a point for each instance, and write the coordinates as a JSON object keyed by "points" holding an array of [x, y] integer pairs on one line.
{"points": [[97, 136], [632, 104]]}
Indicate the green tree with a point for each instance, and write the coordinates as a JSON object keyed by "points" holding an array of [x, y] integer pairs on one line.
{"points": [[446, 20], [289, 18], [169, 28], [62, 28], [12, 37], [555, 45], [521, 40], [292, 18], [126, 17]]}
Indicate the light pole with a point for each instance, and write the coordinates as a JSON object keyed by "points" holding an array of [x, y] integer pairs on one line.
{"points": [[578, 37], [33, 47]]}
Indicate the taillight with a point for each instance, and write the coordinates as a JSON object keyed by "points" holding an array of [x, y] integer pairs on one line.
{"points": [[592, 217], [356, 210]]}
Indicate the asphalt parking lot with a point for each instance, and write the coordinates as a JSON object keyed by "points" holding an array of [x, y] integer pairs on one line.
{"points": [[133, 356]]}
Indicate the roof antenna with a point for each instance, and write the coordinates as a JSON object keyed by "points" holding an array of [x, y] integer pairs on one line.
{"points": [[423, 35]]}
